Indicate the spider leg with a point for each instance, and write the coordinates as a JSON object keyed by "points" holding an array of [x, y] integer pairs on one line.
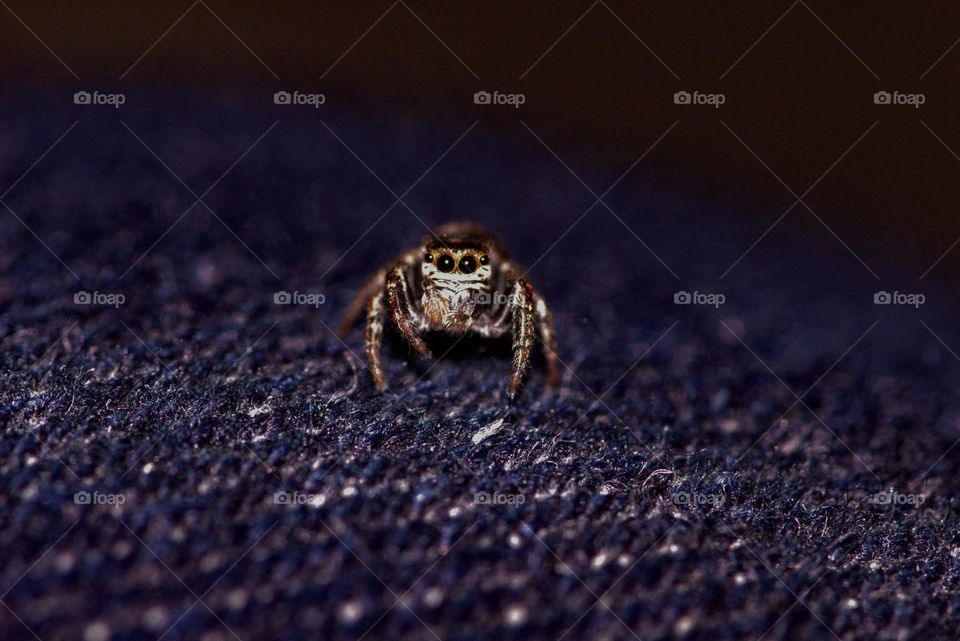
{"points": [[374, 337], [360, 303], [523, 334], [398, 300], [549, 341]]}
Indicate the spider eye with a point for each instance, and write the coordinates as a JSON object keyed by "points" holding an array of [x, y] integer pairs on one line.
{"points": [[484, 260], [468, 264], [428, 257], [445, 263]]}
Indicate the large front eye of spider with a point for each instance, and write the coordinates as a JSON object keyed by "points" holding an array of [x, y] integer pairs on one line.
{"points": [[445, 263], [468, 264]]}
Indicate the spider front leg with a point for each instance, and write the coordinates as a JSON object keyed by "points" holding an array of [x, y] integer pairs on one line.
{"points": [[374, 338], [523, 334], [398, 299]]}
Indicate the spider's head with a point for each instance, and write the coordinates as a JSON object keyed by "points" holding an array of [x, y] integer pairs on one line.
{"points": [[456, 278], [457, 268], [452, 264], [460, 255]]}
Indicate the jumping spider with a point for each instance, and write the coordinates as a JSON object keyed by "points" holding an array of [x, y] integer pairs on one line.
{"points": [[459, 280]]}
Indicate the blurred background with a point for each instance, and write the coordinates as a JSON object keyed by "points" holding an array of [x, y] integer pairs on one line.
{"points": [[798, 81]]}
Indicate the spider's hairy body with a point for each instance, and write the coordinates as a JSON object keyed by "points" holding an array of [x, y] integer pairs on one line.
{"points": [[458, 281]]}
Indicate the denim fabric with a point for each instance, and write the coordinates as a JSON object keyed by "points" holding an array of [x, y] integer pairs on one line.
{"points": [[233, 449]]}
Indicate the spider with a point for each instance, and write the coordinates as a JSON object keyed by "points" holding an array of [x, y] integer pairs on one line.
{"points": [[459, 280]]}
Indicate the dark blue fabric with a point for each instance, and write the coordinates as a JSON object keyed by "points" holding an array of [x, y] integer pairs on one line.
{"points": [[199, 399]]}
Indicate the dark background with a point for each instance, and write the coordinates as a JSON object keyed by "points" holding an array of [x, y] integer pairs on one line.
{"points": [[783, 413], [799, 98]]}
